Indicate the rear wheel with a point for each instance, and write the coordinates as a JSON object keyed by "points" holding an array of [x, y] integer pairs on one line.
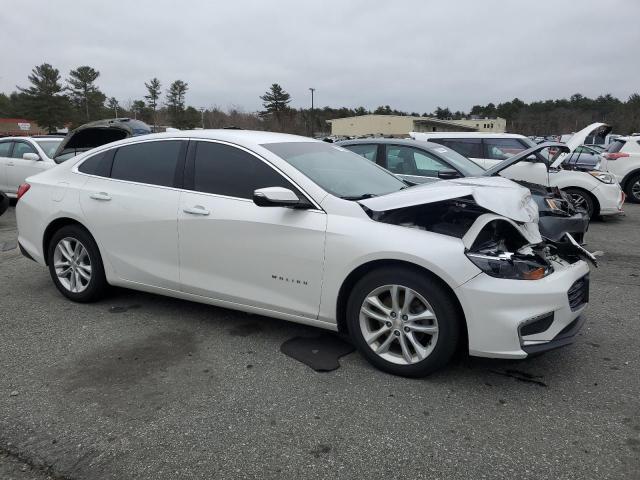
{"points": [[582, 199], [75, 265], [403, 322], [632, 188]]}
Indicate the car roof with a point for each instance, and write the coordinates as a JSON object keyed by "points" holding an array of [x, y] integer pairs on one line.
{"points": [[253, 137], [396, 141], [466, 135]]}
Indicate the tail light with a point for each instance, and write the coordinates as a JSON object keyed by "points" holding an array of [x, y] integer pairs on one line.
{"points": [[615, 155], [22, 189]]}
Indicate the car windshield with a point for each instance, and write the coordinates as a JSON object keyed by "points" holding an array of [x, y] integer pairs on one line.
{"points": [[338, 171], [49, 145], [459, 162]]}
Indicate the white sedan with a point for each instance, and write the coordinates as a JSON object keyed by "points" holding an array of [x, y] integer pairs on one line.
{"points": [[21, 157], [301, 230]]}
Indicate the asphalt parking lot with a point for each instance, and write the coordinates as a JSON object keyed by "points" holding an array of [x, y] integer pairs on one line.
{"points": [[142, 386]]}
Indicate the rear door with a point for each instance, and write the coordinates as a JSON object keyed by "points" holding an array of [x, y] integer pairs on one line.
{"points": [[468, 147], [5, 157], [235, 251], [19, 168], [499, 149], [130, 203]]}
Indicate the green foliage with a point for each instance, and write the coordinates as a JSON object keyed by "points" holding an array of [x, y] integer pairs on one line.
{"points": [[175, 103], [84, 94], [44, 101], [153, 95], [275, 101]]}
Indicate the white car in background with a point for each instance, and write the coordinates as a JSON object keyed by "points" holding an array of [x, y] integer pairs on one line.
{"points": [[594, 190], [21, 157], [303, 230], [622, 158]]}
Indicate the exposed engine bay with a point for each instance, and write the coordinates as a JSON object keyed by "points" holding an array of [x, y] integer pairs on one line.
{"points": [[499, 246]]}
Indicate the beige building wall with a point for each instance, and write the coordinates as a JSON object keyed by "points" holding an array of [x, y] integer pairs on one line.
{"points": [[492, 125], [371, 125], [400, 125]]}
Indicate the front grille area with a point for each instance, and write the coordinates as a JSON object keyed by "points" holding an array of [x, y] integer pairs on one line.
{"points": [[578, 294]]}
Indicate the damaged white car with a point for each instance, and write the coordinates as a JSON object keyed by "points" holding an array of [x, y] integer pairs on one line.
{"points": [[293, 228]]}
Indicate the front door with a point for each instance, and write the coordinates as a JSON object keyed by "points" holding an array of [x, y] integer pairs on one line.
{"points": [[19, 168], [233, 250], [5, 154]]}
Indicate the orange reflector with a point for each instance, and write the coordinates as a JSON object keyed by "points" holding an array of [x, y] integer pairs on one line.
{"points": [[536, 274]]}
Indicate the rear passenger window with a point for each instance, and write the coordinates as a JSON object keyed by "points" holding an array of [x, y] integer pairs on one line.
{"points": [[370, 152], [98, 164], [469, 147], [4, 149], [149, 162], [615, 146], [229, 171], [502, 148]]}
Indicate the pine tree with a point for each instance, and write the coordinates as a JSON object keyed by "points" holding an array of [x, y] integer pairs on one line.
{"points": [[275, 101], [84, 92], [175, 102], [44, 100], [113, 104], [153, 95]]}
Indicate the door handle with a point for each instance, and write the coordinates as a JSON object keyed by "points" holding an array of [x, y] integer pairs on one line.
{"points": [[196, 210], [10, 164], [105, 197]]}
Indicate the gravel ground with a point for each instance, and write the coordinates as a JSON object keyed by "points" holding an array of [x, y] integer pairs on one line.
{"points": [[141, 386]]}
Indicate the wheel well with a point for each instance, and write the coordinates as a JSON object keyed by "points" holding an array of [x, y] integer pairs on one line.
{"points": [[51, 229], [628, 177], [362, 270], [596, 203]]}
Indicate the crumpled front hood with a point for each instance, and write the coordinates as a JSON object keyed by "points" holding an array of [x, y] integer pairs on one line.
{"points": [[496, 194]]}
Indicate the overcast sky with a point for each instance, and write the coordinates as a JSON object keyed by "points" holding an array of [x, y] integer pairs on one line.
{"points": [[411, 55]]}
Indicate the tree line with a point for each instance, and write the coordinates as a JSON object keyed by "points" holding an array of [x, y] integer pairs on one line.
{"points": [[54, 103]]}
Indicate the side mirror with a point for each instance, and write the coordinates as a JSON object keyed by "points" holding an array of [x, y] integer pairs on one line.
{"points": [[448, 174], [278, 197], [532, 158], [30, 156]]}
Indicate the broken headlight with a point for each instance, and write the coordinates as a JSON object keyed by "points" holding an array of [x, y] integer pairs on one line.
{"points": [[512, 266]]}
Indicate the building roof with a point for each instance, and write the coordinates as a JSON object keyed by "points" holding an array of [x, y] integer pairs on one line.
{"points": [[15, 120]]}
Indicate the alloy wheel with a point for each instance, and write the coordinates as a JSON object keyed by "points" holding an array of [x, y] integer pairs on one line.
{"points": [[398, 324], [72, 264], [635, 189]]}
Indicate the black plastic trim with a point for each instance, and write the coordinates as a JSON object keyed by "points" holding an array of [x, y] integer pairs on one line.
{"points": [[25, 253], [564, 338]]}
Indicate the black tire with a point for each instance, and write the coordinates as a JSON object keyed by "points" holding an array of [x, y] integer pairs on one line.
{"points": [[583, 199], [633, 197], [449, 319], [97, 286]]}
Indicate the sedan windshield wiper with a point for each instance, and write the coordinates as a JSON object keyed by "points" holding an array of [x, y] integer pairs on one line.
{"points": [[359, 197]]}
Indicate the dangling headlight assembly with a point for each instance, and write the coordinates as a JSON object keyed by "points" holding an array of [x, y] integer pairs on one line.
{"points": [[511, 266]]}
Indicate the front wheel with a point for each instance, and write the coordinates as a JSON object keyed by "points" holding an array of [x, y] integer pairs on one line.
{"points": [[632, 188], [403, 322], [582, 200], [75, 265]]}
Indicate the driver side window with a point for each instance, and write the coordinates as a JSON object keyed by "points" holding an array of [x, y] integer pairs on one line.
{"points": [[405, 160], [20, 148], [225, 170]]}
